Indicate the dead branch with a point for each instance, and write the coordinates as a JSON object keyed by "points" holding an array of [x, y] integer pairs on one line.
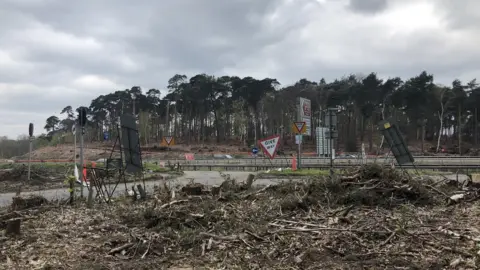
{"points": [[120, 248], [172, 203]]}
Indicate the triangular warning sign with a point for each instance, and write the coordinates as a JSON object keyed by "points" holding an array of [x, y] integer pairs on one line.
{"points": [[299, 126], [168, 139], [270, 145]]}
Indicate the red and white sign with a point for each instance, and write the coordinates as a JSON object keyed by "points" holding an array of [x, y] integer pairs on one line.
{"points": [[270, 145], [299, 126], [189, 156], [168, 139]]}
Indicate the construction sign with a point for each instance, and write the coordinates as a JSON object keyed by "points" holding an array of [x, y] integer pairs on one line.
{"points": [[299, 127], [168, 141], [270, 145]]}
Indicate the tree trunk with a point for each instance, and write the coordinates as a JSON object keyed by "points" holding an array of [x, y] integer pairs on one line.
{"points": [[439, 137], [476, 128]]}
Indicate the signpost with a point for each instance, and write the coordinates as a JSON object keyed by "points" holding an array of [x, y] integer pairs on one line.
{"points": [[270, 145], [30, 135], [254, 153], [299, 128]]}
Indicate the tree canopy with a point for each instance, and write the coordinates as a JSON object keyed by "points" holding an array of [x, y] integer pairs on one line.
{"points": [[206, 108]]}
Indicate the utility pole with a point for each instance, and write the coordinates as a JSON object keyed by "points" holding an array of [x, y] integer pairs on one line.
{"points": [[82, 121]]}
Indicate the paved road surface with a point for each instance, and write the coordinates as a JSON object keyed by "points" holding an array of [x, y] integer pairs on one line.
{"points": [[204, 177]]}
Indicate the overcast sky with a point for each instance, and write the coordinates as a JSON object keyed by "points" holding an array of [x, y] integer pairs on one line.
{"points": [[55, 53]]}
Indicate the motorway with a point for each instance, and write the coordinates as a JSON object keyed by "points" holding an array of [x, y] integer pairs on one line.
{"points": [[279, 161]]}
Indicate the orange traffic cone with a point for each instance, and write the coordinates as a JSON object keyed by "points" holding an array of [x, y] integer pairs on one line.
{"points": [[294, 163]]}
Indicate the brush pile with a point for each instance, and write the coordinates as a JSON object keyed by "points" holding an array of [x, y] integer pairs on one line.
{"points": [[373, 218]]}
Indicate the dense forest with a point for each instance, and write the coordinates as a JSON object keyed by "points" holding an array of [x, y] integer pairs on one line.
{"points": [[229, 109]]}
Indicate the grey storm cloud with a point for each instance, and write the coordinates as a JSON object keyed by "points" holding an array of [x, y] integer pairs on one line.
{"points": [[368, 6], [55, 53]]}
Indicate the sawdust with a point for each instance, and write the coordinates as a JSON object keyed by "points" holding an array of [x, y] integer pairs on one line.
{"points": [[370, 219]]}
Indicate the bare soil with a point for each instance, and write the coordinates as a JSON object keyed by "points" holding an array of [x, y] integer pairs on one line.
{"points": [[44, 177], [15, 179], [369, 219], [95, 151]]}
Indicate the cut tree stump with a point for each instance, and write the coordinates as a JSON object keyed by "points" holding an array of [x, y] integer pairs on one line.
{"points": [[215, 190], [143, 194], [13, 227], [249, 182]]}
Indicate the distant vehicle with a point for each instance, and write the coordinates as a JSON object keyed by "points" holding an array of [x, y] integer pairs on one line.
{"points": [[346, 156], [218, 156]]}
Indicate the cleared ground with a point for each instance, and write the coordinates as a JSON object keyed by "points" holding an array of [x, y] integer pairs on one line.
{"points": [[367, 219]]}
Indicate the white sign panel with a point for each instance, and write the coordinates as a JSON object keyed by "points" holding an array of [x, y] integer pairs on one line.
{"points": [[298, 139], [305, 114], [270, 145]]}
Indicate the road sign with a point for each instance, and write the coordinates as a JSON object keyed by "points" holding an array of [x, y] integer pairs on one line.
{"points": [[254, 150], [270, 145], [168, 140], [299, 127], [298, 139]]}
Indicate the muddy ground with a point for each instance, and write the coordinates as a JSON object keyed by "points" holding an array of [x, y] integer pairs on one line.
{"points": [[369, 219]]}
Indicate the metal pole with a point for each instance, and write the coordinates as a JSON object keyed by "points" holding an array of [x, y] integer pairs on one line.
{"points": [[299, 158], [81, 162], [75, 148], [30, 157], [331, 141]]}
